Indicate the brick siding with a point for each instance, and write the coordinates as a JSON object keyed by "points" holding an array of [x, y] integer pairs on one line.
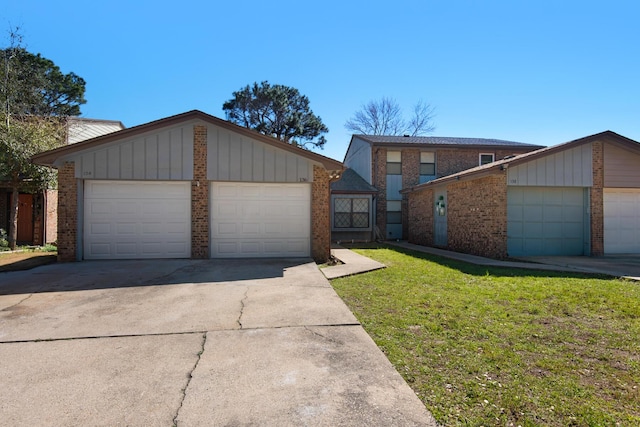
{"points": [[450, 161], [379, 168], [597, 200], [420, 217], [320, 215], [477, 216], [67, 213], [38, 218], [199, 196], [51, 216]]}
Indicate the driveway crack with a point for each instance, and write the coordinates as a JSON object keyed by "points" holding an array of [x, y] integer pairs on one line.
{"points": [[190, 376], [242, 305], [18, 303]]}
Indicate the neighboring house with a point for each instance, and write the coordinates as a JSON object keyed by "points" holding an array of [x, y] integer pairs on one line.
{"points": [[577, 198], [388, 164], [37, 218], [191, 186], [352, 201]]}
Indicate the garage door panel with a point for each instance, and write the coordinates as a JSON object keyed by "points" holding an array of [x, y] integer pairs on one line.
{"points": [[545, 221], [621, 221], [137, 219], [260, 220]]}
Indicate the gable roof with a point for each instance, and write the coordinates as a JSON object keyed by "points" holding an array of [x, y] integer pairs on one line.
{"points": [[505, 163], [49, 158], [440, 141], [351, 182]]}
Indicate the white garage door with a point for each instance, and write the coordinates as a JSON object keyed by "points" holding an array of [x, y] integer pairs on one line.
{"points": [[260, 220], [621, 221], [137, 219]]}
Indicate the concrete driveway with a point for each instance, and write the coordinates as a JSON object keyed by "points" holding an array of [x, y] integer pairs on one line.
{"points": [[625, 265], [184, 342]]}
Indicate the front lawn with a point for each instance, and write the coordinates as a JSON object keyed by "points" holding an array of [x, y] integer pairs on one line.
{"points": [[508, 347]]}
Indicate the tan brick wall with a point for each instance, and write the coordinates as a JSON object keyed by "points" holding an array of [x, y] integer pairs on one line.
{"points": [[51, 216], [199, 196], [456, 160], [477, 216], [320, 216], [67, 213], [597, 200], [420, 217]]}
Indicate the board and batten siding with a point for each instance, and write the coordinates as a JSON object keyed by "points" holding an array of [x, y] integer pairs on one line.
{"points": [[165, 155], [358, 158], [234, 157], [567, 168], [621, 167]]}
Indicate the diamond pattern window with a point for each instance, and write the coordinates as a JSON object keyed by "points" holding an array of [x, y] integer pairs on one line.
{"points": [[351, 213]]}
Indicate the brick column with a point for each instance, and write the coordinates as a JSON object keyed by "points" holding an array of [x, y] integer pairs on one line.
{"points": [[199, 196], [67, 213], [379, 168], [320, 216], [597, 200]]}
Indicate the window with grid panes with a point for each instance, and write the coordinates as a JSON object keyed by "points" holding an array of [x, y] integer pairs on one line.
{"points": [[351, 213]]}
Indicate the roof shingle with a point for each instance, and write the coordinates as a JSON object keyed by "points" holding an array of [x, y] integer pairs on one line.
{"points": [[439, 140]]}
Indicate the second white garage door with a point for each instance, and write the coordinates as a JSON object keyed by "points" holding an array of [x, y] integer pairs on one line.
{"points": [[621, 221], [260, 220]]}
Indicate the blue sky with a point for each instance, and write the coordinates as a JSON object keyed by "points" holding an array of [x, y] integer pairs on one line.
{"points": [[541, 72]]}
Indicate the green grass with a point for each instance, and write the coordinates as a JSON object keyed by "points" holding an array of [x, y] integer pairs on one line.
{"points": [[498, 346]]}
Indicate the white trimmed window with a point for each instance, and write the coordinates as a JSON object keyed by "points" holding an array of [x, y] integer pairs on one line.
{"points": [[394, 163], [427, 164], [486, 158]]}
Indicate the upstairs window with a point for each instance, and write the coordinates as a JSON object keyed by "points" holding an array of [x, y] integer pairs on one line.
{"points": [[394, 163], [351, 213], [428, 164], [486, 158]]}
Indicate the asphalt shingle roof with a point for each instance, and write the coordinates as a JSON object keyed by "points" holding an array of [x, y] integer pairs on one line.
{"points": [[439, 140], [352, 182]]}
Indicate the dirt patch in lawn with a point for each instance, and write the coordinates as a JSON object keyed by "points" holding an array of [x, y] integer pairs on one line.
{"points": [[15, 261]]}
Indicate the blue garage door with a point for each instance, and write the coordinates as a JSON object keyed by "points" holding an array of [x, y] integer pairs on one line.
{"points": [[546, 221]]}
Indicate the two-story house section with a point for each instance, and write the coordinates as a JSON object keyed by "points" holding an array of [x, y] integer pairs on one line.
{"points": [[391, 163]]}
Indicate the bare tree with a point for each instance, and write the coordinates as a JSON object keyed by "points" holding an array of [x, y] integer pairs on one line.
{"points": [[384, 117], [421, 122]]}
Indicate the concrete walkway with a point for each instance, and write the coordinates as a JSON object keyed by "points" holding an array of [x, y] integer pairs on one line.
{"points": [[625, 266], [352, 263], [191, 343]]}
